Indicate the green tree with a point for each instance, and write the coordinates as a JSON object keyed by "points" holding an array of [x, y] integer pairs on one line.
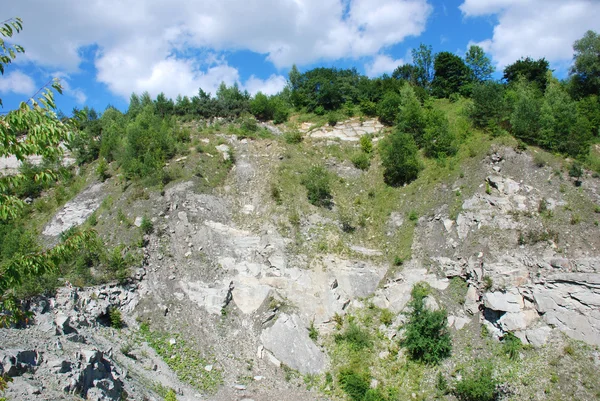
{"points": [[489, 106], [32, 129], [439, 139], [526, 113], [407, 72], [586, 67], [261, 107], [534, 71], [423, 61], [427, 337], [400, 158], [480, 64], [451, 74], [412, 117], [389, 108]]}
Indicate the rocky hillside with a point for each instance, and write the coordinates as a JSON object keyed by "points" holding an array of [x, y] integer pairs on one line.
{"points": [[244, 290]]}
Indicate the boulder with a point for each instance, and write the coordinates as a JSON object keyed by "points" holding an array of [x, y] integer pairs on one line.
{"points": [[510, 301]]}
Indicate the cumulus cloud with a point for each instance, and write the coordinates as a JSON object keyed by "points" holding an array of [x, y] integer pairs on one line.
{"points": [[269, 86], [382, 64], [17, 82], [536, 28], [154, 45]]}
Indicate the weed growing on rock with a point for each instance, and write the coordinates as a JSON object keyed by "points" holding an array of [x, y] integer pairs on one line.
{"points": [[313, 333], [185, 361], [458, 290], [511, 345]]}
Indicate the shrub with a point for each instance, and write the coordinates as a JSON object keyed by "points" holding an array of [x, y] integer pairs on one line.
{"points": [[355, 384], [361, 160], [102, 170], [575, 170], [116, 320], [427, 338], [400, 160], [368, 108], [293, 136], [146, 226], [479, 385], [333, 118], [316, 181], [171, 395], [356, 337], [438, 140], [366, 144], [388, 108], [319, 110]]}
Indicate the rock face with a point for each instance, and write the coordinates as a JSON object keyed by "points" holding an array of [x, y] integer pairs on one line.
{"points": [[571, 303], [76, 211], [96, 379], [345, 131], [289, 342]]}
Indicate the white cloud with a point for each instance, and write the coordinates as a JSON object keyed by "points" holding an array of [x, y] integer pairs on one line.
{"points": [[17, 82], [269, 86], [535, 28], [382, 64], [154, 45]]}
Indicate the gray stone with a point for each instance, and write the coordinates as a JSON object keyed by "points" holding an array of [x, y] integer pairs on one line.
{"points": [[538, 337], [510, 301], [289, 342], [76, 211], [15, 362], [560, 263]]}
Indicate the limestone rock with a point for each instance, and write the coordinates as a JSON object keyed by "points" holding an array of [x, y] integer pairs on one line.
{"points": [[510, 301], [288, 340]]}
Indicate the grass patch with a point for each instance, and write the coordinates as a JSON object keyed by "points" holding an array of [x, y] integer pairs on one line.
{"points": [[184, 360]]}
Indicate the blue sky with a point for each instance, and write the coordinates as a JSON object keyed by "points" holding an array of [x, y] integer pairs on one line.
{"points": [[103, 50]]}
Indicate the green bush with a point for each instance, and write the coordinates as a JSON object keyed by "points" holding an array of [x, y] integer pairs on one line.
{"points": [[116, 320], [355, 384], [426, 338], [316, 181], [368, 108], [388, 108], [361, 160], [412, 119], [171, 395], [293, 136], [333, 118], [147, 227], [439, 140], [400, 159], [356, 337], [282, 113], [102, 170], [478, 385], [366, 144]]}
